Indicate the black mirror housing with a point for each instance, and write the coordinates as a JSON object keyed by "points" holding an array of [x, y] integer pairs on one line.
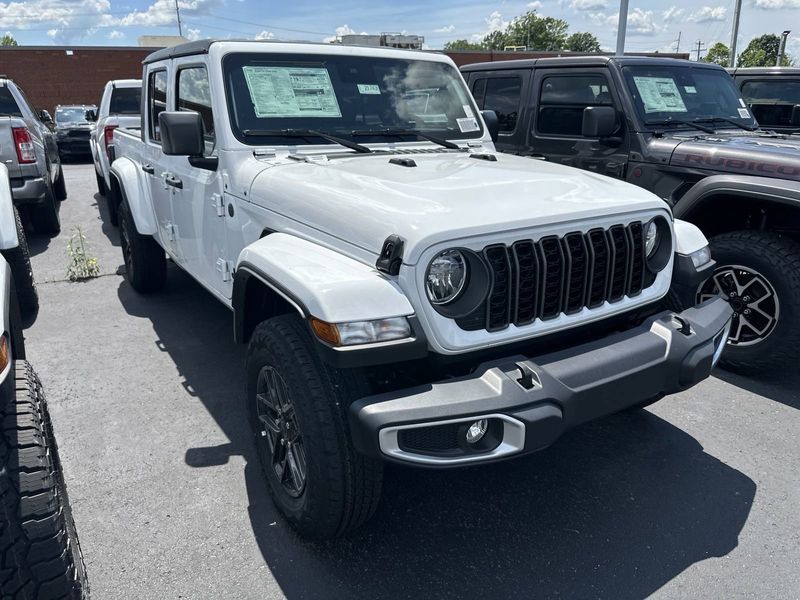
{"points": [[181, 133], [90, 115], [492, 123], [599, 121], [795, 119], [45, 116]]}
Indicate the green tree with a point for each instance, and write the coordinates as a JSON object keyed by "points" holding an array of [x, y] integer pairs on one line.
{"points": [[762, 52], [718, 54], [583, 41], [8, 40], [497, 40], [463, 45], [537, 33]]}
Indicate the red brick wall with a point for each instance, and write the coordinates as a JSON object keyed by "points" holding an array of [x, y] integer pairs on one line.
{"points": [[49, 76]]}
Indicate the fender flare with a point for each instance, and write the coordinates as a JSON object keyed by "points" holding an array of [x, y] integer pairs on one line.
{"points": [[8, 223], [315, 281], [127, 175], [777, 191]]}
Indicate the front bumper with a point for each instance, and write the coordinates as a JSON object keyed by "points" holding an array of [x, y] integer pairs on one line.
{"points": [[530, 401], [68, 146]]}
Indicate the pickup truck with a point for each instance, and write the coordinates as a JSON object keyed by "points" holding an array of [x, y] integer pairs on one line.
{"points": [[773, 95], [119, 107], [40, 556], [73, 129], [29, 150], [681, 130], [406, 293]]}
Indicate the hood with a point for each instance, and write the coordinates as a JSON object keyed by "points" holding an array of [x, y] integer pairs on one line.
{"points": [[766, 155], [362, 199]]}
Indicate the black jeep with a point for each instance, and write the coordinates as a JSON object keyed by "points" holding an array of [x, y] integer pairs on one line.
{"points": [[773, 94], [682, 130]]}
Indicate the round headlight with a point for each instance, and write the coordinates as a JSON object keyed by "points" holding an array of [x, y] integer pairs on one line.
{"points": [[445, 278], [650, 238]]}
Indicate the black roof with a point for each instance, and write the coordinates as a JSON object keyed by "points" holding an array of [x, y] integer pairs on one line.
{"points": [[596, 60], [187, 49], [765, 71]]}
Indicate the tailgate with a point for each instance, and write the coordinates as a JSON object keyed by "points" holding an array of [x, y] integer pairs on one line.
{"points": [[8, 151]]}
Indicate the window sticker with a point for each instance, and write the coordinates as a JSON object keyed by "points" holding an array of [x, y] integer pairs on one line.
{"points": [[659, 94], [468, 111], [742, 103], [467, 124], [690, 89], [280, 92], [744, 113], [369, 89]]}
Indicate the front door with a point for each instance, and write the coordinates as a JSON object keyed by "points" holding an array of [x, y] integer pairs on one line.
{"points": [[559, 99], [502, 92]]}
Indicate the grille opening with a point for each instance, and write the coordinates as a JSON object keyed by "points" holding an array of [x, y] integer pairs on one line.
{"points": [[449, 439]]}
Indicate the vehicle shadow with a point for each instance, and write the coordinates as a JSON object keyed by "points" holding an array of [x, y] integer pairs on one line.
{"points": [[109, 230], [783, 388], [616, 509]]}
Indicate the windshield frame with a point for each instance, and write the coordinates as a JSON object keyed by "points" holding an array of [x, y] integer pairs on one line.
{"points": [[640, 117], [234, 60]]}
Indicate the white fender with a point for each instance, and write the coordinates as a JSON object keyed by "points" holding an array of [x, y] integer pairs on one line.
{"points": [[688, 238], [8, 224], [324, 283], [137, 193]]}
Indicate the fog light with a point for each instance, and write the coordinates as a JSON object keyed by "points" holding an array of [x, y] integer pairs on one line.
{"points": [[476, 431]]}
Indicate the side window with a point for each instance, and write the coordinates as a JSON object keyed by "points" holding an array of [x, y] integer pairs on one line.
{"points": [[156, 102], [503, 96], [194, 95], [479, 92], [563, 98], [772, 101]]}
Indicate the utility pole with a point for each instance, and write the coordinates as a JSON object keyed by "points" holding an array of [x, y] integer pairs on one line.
{"points": [[699, 48], [622, 26], [782, 48], [678, 44], [737, 11], [178, 13]]}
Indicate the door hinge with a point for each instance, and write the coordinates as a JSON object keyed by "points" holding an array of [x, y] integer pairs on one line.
{"points": [[218, 204], [224, 267], [171, 232]]}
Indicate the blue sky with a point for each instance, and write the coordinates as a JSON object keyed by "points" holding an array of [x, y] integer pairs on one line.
{"points": [[652, 25]]}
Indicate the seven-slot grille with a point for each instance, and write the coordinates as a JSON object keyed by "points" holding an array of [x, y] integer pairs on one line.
{"points": [[542, 279]]}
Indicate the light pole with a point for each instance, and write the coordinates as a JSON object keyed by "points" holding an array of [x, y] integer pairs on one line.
{"points": [[782, 48], [735, 33], [623, 24]]}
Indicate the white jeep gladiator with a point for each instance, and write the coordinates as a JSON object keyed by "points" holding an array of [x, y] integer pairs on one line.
{"points": [[407, 294]]}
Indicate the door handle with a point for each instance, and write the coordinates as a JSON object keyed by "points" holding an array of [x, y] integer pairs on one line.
{"points": [[173, 181], [148, 168]]}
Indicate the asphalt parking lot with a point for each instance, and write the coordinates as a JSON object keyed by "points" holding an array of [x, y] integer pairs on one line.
{"points": [[698, 497]]}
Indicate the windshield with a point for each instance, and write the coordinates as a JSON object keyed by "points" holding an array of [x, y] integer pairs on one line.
{"points": [[339, 95], [125, 101], [71, 114], [674, 93]]}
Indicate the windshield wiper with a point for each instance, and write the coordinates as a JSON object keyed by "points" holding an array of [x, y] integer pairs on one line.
{"points": [[680, 122], [724, 120], [306, 133], [403, 132]]}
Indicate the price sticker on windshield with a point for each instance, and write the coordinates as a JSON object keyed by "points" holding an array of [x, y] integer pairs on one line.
{"points": [[468, 124], [369, 89], [744, 113]]}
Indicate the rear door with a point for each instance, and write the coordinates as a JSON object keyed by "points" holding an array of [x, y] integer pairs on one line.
{"points": [[504, 92], [557, 103]]}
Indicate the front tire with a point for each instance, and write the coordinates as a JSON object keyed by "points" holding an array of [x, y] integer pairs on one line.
{"points": [[60, 186], [101, 184], [297, 410], [145, 261], [758, 273], [40, 556], [19, 260]]}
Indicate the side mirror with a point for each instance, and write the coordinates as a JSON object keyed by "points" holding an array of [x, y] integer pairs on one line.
{"points": [[599, 121], [492, 123], [795, 119], [91, 115], [45, 116], [181, 133]]}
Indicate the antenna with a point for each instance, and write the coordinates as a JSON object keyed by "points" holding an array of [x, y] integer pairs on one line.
{"points": [[178, 13]]}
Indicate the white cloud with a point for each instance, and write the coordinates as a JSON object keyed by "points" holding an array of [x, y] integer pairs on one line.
{"points": [[265, 35], [67, 19], [494, 22], [770, 4], [535, 5], [192, 34], [673, 13], [340, 31], [588, 4], [640, 22], [116, 35], [445, 29], [162, 12], [709, 13]]}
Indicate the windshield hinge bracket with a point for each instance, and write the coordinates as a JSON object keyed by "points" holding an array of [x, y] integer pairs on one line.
{"points": [[391, 257], [218, 204]]}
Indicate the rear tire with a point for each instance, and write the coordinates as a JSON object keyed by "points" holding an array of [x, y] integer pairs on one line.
{"points": [[40, 556], [20, 262], [762, 271], [145, 261], [45, 216], [60, 186], [101, 184], [340, 488]]}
